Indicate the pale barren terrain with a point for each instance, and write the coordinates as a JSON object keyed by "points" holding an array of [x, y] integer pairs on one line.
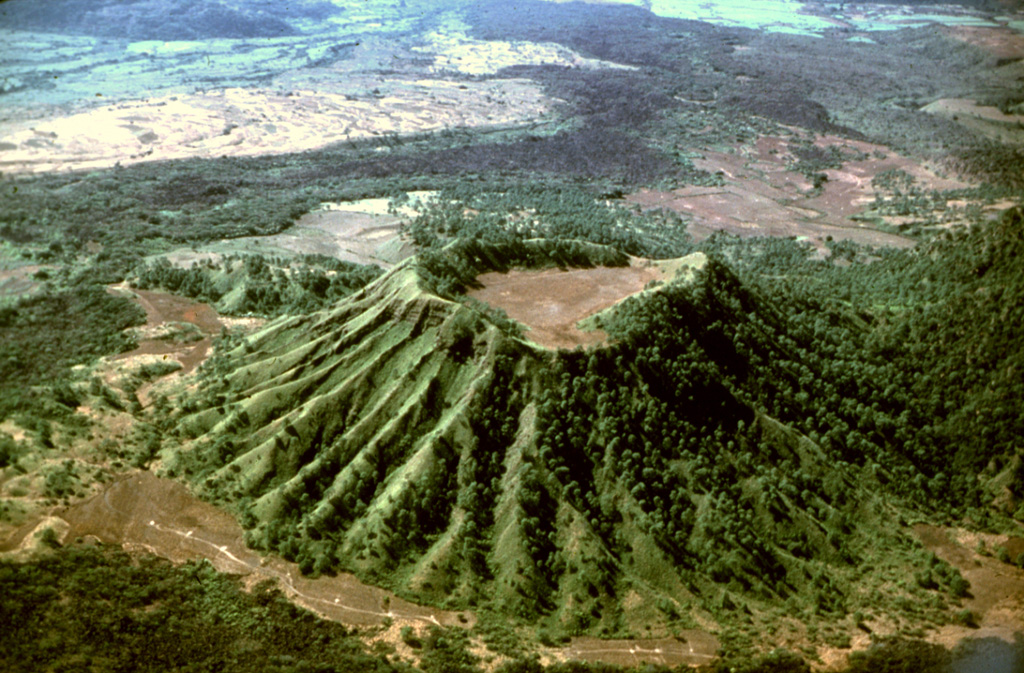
{"points": [[252, 122]]}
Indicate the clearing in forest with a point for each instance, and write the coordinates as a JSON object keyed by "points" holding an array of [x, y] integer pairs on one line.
{"points": [[175, 327]]}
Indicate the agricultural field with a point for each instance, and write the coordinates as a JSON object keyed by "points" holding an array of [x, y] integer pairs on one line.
{"points": [[544, 336]]}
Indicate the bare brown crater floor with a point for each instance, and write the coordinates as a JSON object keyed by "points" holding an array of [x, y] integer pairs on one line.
{"points": [[550, 302]]}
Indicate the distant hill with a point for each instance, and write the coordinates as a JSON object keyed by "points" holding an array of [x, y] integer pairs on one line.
{"points": [[161, 20]]}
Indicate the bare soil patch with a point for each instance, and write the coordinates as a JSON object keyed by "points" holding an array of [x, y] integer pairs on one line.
{"points": [[985, 119], [1004, 43], [19, 281], [693, 648], [762, 196], [996, 596], [162, 309], [143, 512], [550, 302], [882, 159]]}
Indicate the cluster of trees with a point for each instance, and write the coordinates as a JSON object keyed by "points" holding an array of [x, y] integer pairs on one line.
{"points": [[537, 516], [812, 159], [896, 193], [42, 336], [101, 609], [494, 424], [130, 209], [468, 230], [919, 343], [257, 285]]}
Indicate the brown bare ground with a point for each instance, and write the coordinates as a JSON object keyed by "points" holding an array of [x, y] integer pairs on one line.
{"points": [[162, 308], [143, 512], [985, 119], [693, 648], [1003, 43], [20, 280], [552, 301], [762, 197], [996, 595]]}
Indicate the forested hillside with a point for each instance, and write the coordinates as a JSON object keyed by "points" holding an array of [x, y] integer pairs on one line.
{"points": [[742, 444]]}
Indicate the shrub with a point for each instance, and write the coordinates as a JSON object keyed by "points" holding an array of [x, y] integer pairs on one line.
{"points": [[958, 586], [967, 618], [410, 638]]}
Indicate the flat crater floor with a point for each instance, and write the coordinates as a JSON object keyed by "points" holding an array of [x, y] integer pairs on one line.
{"points": [[550, 302]]}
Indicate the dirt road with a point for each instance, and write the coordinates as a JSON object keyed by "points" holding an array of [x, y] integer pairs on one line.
{"points": [[144, 512]]}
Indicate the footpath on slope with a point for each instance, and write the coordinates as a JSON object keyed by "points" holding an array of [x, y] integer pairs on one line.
{"points": [[145, 513]]}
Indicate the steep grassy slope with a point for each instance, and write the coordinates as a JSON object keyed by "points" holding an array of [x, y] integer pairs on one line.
{"points": [[668, 481], [350, 426]]}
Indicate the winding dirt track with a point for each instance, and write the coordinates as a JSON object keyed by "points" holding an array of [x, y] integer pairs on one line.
{"points": [[142, 511], [694, 648]]}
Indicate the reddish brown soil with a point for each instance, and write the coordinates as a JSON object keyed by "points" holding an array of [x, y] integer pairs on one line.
{"points": [[552, 301], [762, 197], [143, 512], [162, 308], [1003, 43], [694, 648], [996, 596]]}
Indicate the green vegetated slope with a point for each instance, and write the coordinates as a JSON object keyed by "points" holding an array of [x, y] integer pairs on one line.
{"points": [[43, 336], [741, 451], [99, 609], [930, 332], [255, 284]]}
